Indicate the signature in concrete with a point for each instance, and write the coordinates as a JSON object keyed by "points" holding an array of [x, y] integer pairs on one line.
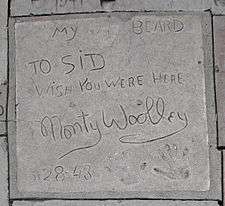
{"points": [[152, 118]]}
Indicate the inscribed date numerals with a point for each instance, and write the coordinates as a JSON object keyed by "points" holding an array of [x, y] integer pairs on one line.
{"points": [[60, 173]]}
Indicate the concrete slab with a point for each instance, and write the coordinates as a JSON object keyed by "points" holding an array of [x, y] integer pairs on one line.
{"points": [[163, 5], [36, 7], [3, 172], [3, 65], [113, 106], [117, 203], [219, 35], [218, 7], [3, 95], [27, 7], [3, 40]]}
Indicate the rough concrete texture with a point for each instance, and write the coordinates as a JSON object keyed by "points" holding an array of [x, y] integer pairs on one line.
{"points": [[36, 7], [219, 38], [218, 7], [3, 95], [3, 172], [117, 203], [3, 65], [77, 136], [117, 157], [3, 40], [27, 7], [164, 5]]}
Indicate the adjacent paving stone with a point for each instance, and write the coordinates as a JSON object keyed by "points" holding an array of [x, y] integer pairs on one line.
{"points": [[219, 38], [3, 40], [117, 203], [165, 5], [26, 7], [3, 172], [35, 7], [112, 106], [218, 7], [223, 177], [3, 95], [3, 65]]}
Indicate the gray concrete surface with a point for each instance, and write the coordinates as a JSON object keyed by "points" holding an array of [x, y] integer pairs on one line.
{"points": [[127, 165], [4, 193], [26, 7], [176, 167], [164, 5], [218, 7], [3, 111], [3, 172], [3, 65], [3, 94], [219, 40], [37, 7], [223, 177], [117, 203], [3, 40]]}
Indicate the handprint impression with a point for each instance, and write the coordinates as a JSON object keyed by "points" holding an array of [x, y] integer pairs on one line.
{"points": [[173, 159]]}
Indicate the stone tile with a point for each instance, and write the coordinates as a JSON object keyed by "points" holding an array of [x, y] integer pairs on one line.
{"points": [[76, 134], [3, 95], [164, 5], [3, 172], [3, 65], [3, 40], [219, 36], [26, 7], [223, 177], [37, 7], [117, 203], [218, 7]]}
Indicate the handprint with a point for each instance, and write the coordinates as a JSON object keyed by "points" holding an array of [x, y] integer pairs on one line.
{"points": [[170, 155]]}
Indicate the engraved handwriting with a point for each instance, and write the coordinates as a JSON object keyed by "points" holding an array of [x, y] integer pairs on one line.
{"points": [[86, 61], [59, 173], [158, 26], [68, 32], [155, 114]]}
